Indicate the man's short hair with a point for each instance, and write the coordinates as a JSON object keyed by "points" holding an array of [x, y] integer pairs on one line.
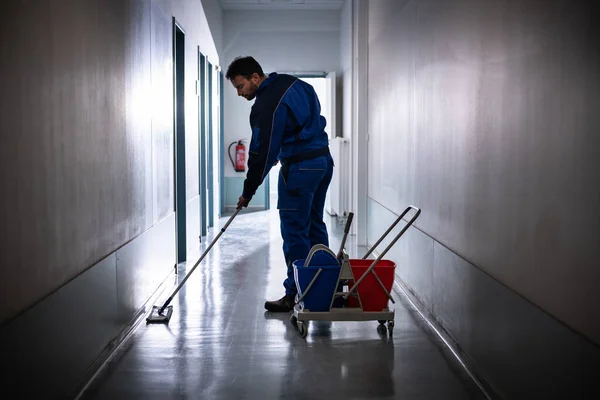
{"points": [[243, 66]]}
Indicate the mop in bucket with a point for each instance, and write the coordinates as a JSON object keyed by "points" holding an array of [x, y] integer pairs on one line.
{"points": [[362, 285]]}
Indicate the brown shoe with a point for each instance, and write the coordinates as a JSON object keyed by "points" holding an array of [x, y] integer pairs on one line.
{"points": [[285, 304]]}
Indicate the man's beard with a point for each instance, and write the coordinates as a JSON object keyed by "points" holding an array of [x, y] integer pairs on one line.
{"points": [[252, 95]]}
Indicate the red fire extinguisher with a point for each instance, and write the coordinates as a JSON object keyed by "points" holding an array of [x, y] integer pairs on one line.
{"points": [[239, 165]]}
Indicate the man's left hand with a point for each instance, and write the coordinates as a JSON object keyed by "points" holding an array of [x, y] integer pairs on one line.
{"points": [[242, 202]]}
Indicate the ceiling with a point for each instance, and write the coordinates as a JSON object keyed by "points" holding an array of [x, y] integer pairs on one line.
{"points": [[282, 4]]}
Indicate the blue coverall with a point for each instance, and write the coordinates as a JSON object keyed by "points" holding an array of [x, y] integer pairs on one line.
{"points": [[287, 126]]}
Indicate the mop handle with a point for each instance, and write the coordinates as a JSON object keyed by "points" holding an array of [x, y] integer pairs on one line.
{"points": [[200, 260], [418, 211], [346, 231]]}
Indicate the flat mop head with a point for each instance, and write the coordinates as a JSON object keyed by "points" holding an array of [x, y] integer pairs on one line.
{"points": [[158, 318]]}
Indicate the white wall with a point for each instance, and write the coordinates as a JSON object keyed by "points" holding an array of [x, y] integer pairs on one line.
{"points": [[192, 16], [345, 123], [344, 102], [359, 112], [281, 41], [214, 17]]}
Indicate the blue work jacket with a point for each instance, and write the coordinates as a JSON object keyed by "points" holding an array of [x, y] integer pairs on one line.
{"points": [[286, 120]]}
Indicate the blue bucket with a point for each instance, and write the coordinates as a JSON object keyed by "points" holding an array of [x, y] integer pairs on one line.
{"points": [[322, 291]]}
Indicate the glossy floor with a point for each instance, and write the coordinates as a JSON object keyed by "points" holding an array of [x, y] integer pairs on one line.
{"points": [[222, 344]]}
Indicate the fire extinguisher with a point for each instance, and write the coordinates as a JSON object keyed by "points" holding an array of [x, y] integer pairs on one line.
{"points": [[239, 165]]}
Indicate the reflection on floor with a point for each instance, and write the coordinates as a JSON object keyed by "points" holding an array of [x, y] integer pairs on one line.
{"points": [[222, 344]]}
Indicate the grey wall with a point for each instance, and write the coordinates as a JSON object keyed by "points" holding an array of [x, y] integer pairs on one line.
{"points": [[485, 114], [87, 133], [87, 224], [77, 142]]}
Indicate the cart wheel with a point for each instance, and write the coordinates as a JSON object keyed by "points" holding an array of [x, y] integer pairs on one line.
{"points": [[381, 330], [381, 321], [302, 329], [391, 327], [294, 320]]}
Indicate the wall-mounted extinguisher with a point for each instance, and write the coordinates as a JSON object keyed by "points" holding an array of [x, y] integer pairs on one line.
{"points": [[239, 165]]}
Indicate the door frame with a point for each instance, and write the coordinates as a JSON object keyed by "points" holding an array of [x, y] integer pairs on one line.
{"points": [[210, 156], [179, 140], [222, 158], [202, 157]]}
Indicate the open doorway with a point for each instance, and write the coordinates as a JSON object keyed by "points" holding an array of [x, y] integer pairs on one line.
{"points": [[273, 179]]}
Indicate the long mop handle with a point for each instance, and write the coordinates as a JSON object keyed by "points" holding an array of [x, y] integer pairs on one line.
{"points": [[418, 211], [200, 260], [346, 231]]}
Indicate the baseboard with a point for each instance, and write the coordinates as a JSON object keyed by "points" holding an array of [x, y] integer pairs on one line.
{"points": [[54, 348], [115, 344], [514, 348], [463, 358], [435, 328]]}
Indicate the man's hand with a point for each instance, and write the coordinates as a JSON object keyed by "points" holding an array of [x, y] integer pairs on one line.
{"points": [[242, 202]]}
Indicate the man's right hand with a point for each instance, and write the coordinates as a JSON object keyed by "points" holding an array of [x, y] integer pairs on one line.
{"points": [[242, 202]]}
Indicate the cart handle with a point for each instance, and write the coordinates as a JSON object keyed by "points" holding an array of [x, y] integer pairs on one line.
{"points": [[318, 247], [309, 286], [418, 211], [370, 269], [313, 250]]}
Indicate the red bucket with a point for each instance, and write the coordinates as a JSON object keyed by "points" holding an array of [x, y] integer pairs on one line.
{"points": [[372, 296]]}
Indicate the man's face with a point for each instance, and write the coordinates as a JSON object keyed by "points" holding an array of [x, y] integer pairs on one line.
{"points": [[246, 87]]}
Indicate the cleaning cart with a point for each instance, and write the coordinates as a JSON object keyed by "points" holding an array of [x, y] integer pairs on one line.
{"points": [[333, 287]]}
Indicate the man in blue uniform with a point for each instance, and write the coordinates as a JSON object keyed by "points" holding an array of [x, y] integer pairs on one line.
{"points": [[287, 126]]}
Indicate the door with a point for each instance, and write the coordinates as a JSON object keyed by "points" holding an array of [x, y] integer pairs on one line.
{"points": [[179, 129], [210, 159], [202, 127], [222, 160]]}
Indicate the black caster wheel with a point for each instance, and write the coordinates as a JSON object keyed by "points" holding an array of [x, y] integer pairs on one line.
{"points": [[294, 321], [302, 329], [381, 330], [391, 327]]}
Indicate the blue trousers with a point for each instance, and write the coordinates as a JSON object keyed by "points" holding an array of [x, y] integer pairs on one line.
{"points": [[302, 188]]}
